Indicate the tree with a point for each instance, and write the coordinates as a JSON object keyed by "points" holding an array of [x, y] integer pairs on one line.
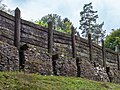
{"points": [[113, 39], [41, 23], [58, 23], [98, 33], [66, 25], [88, 23], [3, 7]]}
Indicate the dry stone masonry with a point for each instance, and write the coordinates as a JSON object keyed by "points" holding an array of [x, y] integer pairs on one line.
{"points": [[36, 49], [9, 57], [38, 60]]}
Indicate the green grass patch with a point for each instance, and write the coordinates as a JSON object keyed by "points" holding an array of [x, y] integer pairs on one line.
{"points": [[24, 81]]}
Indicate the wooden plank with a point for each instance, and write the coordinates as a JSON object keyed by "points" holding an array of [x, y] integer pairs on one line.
{"points": [[7, 40], [62, 37], [61, 41], [37, 38], [34, 42]]}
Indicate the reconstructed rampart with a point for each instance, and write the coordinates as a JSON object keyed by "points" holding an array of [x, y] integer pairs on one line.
{"points": [[33, 48]]}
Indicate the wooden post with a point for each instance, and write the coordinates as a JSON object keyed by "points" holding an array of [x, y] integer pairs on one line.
{"points": [[103, 54], [78, 67], [22, 56], [90, 46], [17, 28], [73, 42], [54, 59], [109, 73], [50, 37], [118, 60]]}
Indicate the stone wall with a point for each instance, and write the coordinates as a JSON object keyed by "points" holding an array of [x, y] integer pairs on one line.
{"points": [[65, 66], [9, 57], [38, 60], [92, 72]]}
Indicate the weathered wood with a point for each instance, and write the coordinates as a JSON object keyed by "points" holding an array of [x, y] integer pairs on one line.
{"points": [[22, 56], [21, 60], [32, 25], [90, 46], [50, 37], [62, 37], [54, 58], [118, 61], [41, 43], [33, 31], [17, 28], [78, 67], [109, 74], [103, 54], [62, 41], [8, 16], [73, 42], [57, 33], [35, 38]]}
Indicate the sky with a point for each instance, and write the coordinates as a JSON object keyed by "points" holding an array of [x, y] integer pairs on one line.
{"points": [[108, 10]]}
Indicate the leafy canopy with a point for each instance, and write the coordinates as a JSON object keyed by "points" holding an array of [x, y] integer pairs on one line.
{"points": [[58, 24], [113, 39]]}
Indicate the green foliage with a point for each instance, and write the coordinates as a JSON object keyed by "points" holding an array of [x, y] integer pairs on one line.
{"points": [[23, 81], [88, 23], [113, 39], [58, 24], [41, 23]]}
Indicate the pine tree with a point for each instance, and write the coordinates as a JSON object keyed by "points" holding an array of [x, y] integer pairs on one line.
{"points": [[98, 33], [88, 23]]}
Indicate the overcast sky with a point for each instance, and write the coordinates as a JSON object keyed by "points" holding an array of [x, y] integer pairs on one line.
{"points": [[108, 10]]}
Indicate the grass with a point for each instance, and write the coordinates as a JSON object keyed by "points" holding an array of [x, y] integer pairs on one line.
{"points": [[24, 81]]}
